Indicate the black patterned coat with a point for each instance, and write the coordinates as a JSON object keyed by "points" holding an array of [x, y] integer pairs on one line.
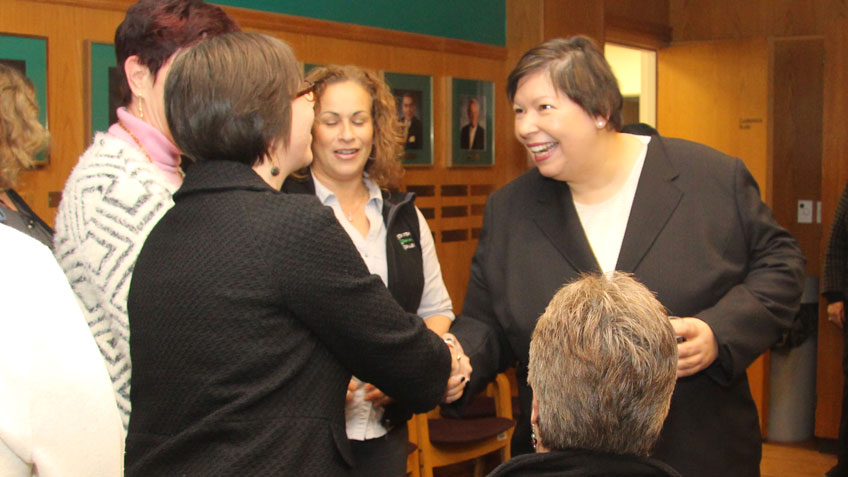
{"points": [[249, 310]]}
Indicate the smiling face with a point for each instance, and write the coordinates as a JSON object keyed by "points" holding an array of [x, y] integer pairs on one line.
{"points": [[557, 132], [343, 133]]}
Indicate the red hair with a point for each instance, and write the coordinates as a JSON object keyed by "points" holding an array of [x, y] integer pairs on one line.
{"points": [[153, 30]]}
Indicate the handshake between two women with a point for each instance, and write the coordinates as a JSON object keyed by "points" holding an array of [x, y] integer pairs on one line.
{"points": [[459, 377]]}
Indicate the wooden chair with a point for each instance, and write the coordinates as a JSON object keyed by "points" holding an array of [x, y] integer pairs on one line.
{"points": [[443, 441], [413, 461]]}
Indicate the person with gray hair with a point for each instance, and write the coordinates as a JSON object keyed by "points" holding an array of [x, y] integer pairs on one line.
{"points": [[603, 361]]}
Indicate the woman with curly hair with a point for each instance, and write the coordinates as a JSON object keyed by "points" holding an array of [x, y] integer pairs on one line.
{"points": [[357, 143], [21, 138]]}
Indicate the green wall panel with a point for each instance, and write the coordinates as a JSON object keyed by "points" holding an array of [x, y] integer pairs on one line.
{"points": [[482, 21]]}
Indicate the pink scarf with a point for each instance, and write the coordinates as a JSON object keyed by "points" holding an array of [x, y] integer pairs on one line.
{"points": [[162, 152]]}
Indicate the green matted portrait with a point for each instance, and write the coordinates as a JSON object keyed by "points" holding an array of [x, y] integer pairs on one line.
{"points": [[104, 96], [307, 67], [472, 123], [414, 98], [29, 56]]}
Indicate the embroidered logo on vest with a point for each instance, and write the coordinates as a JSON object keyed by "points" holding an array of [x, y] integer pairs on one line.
{"points": [[406, 241]]}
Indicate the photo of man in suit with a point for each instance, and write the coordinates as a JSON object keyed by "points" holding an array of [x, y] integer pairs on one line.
{"points": [[411, 123], [472, 135]]}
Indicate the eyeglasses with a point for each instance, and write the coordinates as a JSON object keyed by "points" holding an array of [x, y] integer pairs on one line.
{"points": [[309, 91]]}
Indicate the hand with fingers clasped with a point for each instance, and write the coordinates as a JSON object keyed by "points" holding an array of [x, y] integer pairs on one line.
{"points": [[460, 369], [697, 347], [373, 395]]}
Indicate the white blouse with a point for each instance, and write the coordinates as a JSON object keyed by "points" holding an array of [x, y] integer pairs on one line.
{"points": [[363, 419], [605, 223]]}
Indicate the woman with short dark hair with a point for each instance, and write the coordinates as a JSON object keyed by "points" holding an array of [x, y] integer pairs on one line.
{"points": [[250, 308], [684, 219], [122, 184]]}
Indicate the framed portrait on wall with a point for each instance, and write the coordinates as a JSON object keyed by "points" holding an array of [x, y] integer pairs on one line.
{"points": [[472, 123], [414, 99], [103, 93], [29, 56], [307, 67]]}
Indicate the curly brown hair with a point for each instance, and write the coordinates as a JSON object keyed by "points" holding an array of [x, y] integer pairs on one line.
{"points": [[383, 166], [21, 135]]}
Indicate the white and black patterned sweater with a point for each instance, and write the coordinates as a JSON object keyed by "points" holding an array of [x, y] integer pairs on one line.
{"points": [[111, 201]]}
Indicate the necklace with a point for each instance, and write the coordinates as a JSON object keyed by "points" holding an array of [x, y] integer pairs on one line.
{"points": [[359, 204], [143, 150]]}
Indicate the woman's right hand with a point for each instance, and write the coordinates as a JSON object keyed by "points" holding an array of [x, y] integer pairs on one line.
{"points": [[456, 386], [460, 369], [836, 313]]}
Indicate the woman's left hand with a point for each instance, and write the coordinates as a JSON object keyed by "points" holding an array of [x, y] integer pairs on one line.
{"points": [[699, 348], [375, 396]]}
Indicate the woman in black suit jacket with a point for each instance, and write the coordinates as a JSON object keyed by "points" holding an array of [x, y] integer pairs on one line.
{"points": [[251, 308], [686, 220]]}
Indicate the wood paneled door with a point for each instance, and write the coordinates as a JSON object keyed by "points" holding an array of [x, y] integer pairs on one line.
{"points": [[760, 100]]}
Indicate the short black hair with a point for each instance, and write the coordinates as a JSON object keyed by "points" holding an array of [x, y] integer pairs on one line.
{"points": [[229, 98], [577, 68]]}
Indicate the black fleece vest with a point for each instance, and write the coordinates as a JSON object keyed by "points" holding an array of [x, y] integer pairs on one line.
{"points": [[403, 242]]}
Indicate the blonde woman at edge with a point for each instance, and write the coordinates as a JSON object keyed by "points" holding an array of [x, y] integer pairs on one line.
{"points": [[357, 143]]}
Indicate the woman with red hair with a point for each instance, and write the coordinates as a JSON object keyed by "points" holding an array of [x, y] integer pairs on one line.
{"points": [[122, 185]]}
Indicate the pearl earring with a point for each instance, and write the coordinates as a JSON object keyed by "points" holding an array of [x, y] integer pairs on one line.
{"points": [[534, 441], [601, 124]]}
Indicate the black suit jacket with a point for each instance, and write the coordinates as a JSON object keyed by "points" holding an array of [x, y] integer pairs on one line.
{"points": [[479, 137], [582, 463], [699, 237], [835, 284], [249, 310], [414, 133]]}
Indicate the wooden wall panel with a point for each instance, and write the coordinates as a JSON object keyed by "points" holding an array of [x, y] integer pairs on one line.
{"points": [[797, 137], [834, 177], [701, 100], [565, 18], [636, 23], [647, 11], [731, 19]]}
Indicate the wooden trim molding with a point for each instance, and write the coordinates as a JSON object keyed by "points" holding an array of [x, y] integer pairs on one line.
{"points": [[636, 33], [311, 26]]}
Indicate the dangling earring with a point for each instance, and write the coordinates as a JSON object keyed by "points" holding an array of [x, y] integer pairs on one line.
{"points": [[140, 107], [534, 441], [275, 171]]}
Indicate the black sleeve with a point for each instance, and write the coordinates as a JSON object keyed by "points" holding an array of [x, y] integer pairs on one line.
{"points": [[356, 317]]}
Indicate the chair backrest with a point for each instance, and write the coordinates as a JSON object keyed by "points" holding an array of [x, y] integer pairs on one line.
{"points": [[444, 441]]}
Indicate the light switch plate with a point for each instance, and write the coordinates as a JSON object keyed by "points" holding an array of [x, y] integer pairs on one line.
{"points": [[805, 211]]}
